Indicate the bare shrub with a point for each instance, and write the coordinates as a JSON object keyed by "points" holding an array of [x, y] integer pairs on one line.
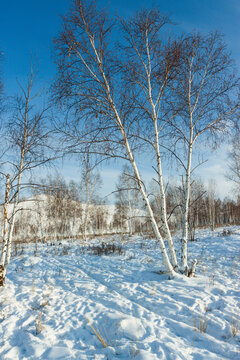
{"points": [[226, 232], [106, 249]]}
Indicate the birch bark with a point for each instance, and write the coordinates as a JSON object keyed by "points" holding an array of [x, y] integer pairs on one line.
{"points": [[187, 189], [3, 268], [5, 226], [187, 184]]}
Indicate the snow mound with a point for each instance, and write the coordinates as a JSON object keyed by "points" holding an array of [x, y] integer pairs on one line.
{"points": [[132, 328], [145, 355], [57, 352]]}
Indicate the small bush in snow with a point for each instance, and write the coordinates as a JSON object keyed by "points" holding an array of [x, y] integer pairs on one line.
{"points": [[226, 232], [106, 249]]}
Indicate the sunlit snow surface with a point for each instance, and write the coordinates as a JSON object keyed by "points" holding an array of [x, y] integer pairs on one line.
{"points": [[56, 296]]}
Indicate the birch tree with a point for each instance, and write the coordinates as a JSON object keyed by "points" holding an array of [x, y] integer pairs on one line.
{"points": [[89, 83], [150, 64], [205, 95], [26, 137], [5, 244]]}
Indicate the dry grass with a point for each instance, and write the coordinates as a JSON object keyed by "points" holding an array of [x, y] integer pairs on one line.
{"points": [[134, 351], [33, 284], [106, 249], [38, 323], [211, 280], [153, 290], [235, 321], [200, 322], [97, 333]]}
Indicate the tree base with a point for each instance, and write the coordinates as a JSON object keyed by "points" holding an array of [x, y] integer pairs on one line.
{"points": [[2, 275], [189, 272]]}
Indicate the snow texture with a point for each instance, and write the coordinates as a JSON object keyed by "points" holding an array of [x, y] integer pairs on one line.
{"points": [[62, 301]]}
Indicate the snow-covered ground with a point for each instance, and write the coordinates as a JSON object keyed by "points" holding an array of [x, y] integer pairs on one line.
{"points": [[65, 302]]}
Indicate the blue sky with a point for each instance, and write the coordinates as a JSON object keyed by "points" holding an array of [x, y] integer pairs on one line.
{"points": [[28, 26]]}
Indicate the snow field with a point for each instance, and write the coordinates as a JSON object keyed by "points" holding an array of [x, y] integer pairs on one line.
{"points": [[64, 302]]}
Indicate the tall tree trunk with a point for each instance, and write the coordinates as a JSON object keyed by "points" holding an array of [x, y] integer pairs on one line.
{"points": [[20, 170], [5, 234], [19, 179], [163, 202], [5, 226], [155, 107], [187, 189], [13, 217], [155, 228]]}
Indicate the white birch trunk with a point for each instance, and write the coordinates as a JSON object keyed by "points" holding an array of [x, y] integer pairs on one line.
{"points": [[166, 260], [155, 107], [19, 177], [187, 183], [3, 268], [163, 202], [5, 226], [156, 231], [12, 223], [187, 189]]}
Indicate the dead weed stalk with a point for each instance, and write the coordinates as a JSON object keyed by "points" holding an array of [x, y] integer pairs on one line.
{"points": [[97, 333], [200, 323], [235, 320]]}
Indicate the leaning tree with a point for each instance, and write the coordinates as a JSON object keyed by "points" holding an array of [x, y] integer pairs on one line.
{"points": [[89, 84]]}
